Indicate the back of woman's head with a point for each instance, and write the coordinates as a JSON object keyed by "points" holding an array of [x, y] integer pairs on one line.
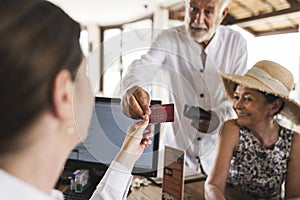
{"points": [[37, 40]]}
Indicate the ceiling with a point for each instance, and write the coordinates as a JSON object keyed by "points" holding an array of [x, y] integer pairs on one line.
{"points": [[259, 17], [106, 13]]}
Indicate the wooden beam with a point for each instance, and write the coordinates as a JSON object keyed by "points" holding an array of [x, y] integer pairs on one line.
{"points": [[244, 6], [294, 3], [279, 31], [262, 16], [256, 22], [267, 3]]}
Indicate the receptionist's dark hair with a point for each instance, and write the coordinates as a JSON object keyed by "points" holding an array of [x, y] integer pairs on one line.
{"points": [[37, 40]]}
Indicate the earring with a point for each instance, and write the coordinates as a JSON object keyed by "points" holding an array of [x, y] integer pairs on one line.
{"points": [[70, 127]]}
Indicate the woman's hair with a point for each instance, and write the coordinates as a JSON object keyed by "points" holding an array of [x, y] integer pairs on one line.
{"points": [[270, 98], [37, 40]]}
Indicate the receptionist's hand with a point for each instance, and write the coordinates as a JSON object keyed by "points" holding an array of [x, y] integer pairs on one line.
{"points": [[138, 137], [135, 103]]}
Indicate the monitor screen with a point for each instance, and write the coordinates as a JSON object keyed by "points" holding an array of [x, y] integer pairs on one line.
{"points": [[106, 134]]}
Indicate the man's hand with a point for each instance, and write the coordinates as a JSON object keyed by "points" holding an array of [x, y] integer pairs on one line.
{"points": [[206, 126], [135, 103]]}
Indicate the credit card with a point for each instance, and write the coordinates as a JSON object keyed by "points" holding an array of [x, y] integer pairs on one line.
{"points": [[162, 113]]}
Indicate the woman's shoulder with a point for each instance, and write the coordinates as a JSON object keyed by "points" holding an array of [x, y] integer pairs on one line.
{"points": [[231, 127], [232, 123], [297, 134], [230, 133], [295, 151], [296, 138]]}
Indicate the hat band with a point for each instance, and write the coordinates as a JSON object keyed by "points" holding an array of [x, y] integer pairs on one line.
{"points": [[272, 83]]}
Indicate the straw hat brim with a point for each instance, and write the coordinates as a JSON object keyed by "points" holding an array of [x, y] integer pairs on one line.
{"points": [[291, 109]]}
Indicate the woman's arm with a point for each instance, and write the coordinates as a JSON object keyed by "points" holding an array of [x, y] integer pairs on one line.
{"points": [[292, 184], [116, 181], [216, 181]]}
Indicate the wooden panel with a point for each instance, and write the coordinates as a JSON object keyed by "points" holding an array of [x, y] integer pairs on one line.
{"points": [[279, 4]]}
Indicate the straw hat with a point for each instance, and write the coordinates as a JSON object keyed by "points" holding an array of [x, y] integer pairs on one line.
{"points": [[269, 77]]}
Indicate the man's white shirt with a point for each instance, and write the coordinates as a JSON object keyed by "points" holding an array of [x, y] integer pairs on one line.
{"points": [[176, 60]]}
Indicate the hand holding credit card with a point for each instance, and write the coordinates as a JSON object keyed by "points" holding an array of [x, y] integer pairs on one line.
{"points": [[161, 113]]}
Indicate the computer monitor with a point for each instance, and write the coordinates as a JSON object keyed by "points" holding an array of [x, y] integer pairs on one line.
{"points": [[106, 134]]}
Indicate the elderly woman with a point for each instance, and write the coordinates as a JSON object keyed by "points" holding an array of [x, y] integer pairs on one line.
{"points": [[256, 155]]}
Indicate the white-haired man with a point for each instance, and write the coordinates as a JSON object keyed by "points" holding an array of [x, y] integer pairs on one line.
{"points": [[189, 57]]}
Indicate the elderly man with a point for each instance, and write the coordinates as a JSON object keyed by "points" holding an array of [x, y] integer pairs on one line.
{"points": [[189, 57]]}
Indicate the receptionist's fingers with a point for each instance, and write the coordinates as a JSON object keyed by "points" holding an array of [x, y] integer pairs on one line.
{"points": [[147, 136], [146, 142], [132, 148], [138, 130], [149, 129]]}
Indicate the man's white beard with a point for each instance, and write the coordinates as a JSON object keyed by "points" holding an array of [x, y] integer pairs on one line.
{"points": [[204, 36]]}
